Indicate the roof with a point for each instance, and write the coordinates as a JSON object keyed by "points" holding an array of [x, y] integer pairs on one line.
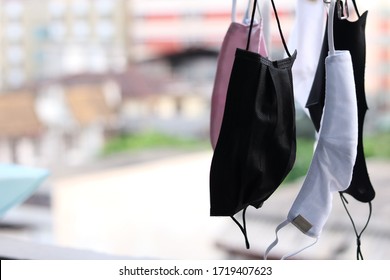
{"points": [[132, 82], [88, 104], [17, 115], [194, 53]]}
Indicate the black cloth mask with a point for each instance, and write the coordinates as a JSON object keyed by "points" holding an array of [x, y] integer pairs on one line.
{"points": [[256, 147]]}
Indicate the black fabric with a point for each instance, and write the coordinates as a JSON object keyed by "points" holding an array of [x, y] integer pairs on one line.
{"points": [[316, 100], [257, 143], [347, 36], [256, 147]]}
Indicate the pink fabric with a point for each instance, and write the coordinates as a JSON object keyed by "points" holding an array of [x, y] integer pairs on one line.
{"points": [[236, 37]]}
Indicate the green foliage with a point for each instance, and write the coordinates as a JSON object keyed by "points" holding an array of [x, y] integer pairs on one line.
{"points": [[148, 140], [304, 155], [377, 145], [374, 146]]}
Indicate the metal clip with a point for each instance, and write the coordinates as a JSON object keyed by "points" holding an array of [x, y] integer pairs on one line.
{"points": [[342, 9]]}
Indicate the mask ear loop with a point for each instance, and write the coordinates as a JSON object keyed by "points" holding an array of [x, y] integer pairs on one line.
{"points": [[243, 227], [276, 241], [297, 252], [251, 25], [355, 7], [234, 9], [359, 255], [280, 29], [277, 20], [246, 16], [342, 9], [330, 29]]}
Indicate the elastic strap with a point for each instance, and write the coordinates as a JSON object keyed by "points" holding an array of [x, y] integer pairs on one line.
{"points": [[280, 29], [343, 8], [277, 20], [356, 9], [359, 255], [243, 227], [330, 27], [234, 9], [275, 242], [251, 25], [248, 10], [297, 252]]}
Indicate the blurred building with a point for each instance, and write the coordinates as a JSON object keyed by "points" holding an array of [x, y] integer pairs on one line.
{"points": [[20, 38], [170, 26], [49, 38], [378, 59], [46, 44], [170, 43], [73, 71], [43, 39]]}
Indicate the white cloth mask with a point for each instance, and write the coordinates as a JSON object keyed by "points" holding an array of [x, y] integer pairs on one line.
{"points": [[306, 37], [334, 157]]}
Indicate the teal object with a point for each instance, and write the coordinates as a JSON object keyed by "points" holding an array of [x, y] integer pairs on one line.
{"points": [[17, 183]]}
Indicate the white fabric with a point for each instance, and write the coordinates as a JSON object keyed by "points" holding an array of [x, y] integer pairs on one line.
{"points": [[247, 17], [332, 165], [306, 37], [273, 244]]}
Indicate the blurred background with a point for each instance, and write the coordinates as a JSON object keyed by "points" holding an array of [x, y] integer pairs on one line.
{"points": [[113, 98]]}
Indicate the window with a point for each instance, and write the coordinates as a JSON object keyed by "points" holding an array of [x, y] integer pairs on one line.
{"points": [[14, 31], [57, 30], [105, 29], [97, 59], [104, 7], [80, 8], [13, 9], [81, 29], [57, 9], [15, 77], [14, 54]]}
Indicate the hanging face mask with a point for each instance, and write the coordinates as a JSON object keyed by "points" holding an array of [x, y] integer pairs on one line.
{"points": [[257, 143], [236, 37], [349, 36], [331, 168], [306, 37]]}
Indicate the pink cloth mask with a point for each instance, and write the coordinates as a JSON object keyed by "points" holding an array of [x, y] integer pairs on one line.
{"points": [[236, 37]]}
